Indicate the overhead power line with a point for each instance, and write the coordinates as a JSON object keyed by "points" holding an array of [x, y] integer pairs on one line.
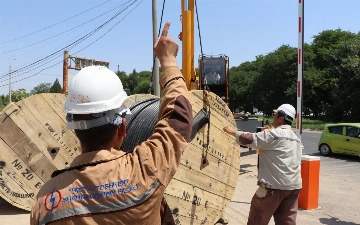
{"points": [[75, 43], [110, 28], [73, 28], [54, 24]]}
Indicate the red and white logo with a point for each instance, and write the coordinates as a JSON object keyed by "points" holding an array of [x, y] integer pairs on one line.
{"points": [[53, 200]]}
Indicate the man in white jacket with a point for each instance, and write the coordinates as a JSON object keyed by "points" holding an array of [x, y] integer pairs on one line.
{"points": [[279, 176]]}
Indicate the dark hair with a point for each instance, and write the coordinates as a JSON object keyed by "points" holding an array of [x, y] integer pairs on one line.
{"points": [[95, 137], [287, 119]]}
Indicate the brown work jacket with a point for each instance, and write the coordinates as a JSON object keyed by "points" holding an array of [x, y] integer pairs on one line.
{"points": [[113, 187]]}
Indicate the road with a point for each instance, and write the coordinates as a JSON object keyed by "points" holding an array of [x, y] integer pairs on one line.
{"points": [[310, 140], [338, 192], [347, 167]]}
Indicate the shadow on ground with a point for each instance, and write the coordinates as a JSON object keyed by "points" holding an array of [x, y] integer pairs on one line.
{"points": [[7, 209], [243, 168], [335, 221]]}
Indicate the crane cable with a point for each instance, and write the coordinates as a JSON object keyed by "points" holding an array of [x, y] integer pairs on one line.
{"points": [[205, 97]]}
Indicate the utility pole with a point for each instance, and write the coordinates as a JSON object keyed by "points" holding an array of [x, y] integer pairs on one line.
{"points": [[10, 81], [156, 61], [80, 63], [65, 72]]}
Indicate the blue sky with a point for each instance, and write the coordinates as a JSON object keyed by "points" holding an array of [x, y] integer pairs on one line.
{"points": [[241, 29]]}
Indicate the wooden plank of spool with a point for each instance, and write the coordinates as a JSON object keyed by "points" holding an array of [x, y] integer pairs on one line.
{"points": [[56, 102], [41, 134], [24, 148], [47, 115], [20, 182]]}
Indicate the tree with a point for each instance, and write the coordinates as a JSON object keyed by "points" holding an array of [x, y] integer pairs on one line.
{"points": [[277, 81], [142, 87], [122, 76], [4, 100], [56, 87], [325, 42], [132, 81], [314, 95], [241, 83], [144, 82], [344, 66], [137, 83], [41, 88], [19, 95]]}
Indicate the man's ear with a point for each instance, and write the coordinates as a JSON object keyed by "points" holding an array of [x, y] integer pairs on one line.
{"points": [[282, 119], [122, 128]]}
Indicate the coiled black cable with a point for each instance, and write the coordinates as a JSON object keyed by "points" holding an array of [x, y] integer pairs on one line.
{"points": [[140, 123]]}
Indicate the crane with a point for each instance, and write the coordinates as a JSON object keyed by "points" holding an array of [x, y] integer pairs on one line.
{"points": [[213, 69]]}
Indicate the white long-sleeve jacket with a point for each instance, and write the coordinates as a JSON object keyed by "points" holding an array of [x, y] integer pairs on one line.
{"points": [[279, 156]]}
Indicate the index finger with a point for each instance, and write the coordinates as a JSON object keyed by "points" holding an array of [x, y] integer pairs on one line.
{"points": [[166, 29]]}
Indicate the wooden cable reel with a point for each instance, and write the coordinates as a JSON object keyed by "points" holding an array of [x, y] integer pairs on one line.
{"points": [[34, 142]]}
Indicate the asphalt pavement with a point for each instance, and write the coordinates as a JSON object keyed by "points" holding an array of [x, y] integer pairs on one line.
{"points": [[339, 196]]}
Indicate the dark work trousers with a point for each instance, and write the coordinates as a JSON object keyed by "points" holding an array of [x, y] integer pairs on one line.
{"points": [[282, 204]]}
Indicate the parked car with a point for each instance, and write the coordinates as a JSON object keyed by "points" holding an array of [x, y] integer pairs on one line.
{"points": [[341, 138]]}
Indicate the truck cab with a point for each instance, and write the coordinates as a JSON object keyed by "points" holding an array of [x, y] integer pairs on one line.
{"points": [[214, 75]]}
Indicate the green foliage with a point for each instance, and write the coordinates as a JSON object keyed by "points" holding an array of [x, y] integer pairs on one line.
{"points": [[345, 71], [4, 100], [307, 123], [56, 87], [137, 83], [19, 95], [142, 87], [331, 78], [41, 88], [122, 76]]}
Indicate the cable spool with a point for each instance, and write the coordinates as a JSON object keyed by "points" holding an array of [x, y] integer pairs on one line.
{"points": [[140, 124], [196, 195]]}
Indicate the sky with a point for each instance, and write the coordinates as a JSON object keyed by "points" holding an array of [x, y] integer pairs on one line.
{"points": [[35, 33]]}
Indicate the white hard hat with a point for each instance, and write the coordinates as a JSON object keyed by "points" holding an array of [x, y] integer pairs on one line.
{"points": [[94, 89], [287, 109]]}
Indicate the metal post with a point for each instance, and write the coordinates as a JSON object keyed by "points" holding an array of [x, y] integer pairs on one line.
{"points": [[192, 67], [300, 67], [65, 72], [187, 61], [10, 83], [156, 61]]}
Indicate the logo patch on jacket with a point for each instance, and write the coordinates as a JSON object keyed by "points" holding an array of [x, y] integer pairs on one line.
{"points": [[53, 199]]}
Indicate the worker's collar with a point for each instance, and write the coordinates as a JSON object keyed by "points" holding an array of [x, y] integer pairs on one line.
{"points": [[96, 156], [284, 126], [212, 74]]}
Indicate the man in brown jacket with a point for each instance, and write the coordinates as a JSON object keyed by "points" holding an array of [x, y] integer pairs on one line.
{"points": [[104, 185]]}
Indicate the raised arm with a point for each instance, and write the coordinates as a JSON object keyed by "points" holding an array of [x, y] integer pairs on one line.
{"points": [[172, 132]]}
